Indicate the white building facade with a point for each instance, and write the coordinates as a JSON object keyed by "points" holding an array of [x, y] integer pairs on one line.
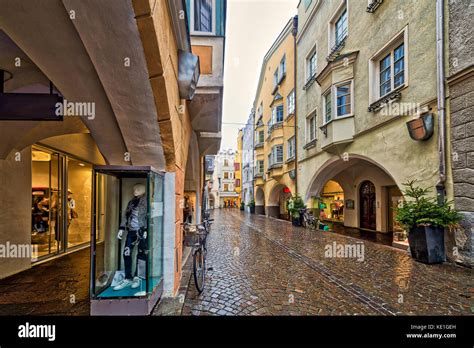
{"points": [[223, 192], [247, 162]]}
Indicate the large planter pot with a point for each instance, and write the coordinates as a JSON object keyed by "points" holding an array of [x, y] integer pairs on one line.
{"points": [[427, 244], [252, 209], [297, 221]]}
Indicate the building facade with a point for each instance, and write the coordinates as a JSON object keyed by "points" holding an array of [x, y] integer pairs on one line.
{"points": [[238, 166], [274, 126], [223, 192], [355, 96], [141, 116], [248, 162], [460, 81]]}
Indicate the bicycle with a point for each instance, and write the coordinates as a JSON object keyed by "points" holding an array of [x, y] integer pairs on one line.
{"points": [[198, 240], [309, 220]]}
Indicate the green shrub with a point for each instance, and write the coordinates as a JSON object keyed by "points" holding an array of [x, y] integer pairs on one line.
{"points": [[421, 210]]}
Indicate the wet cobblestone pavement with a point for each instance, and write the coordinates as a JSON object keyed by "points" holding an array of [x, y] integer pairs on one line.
{"points": [[262, 266], [57, 287]]}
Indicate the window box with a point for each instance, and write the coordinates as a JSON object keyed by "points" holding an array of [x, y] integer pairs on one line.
{"points": [[310, 144], [373, 4], [336, 50], [375, 106]]}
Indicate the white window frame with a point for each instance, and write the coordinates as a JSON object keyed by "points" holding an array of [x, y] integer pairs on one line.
{"points": [[333, 91], [260, 166], [275, 114], [325, 94], [308, 127], [290, 103], [282, 68], [374, 64], [274, 154], [308, 74], [344, 5], [276, 77], [291, 148], [213, 32]]}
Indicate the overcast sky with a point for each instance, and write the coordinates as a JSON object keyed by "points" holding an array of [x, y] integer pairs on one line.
{"points": [[252, 27]]}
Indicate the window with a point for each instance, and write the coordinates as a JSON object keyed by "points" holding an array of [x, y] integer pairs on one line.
{"points": [[226, 187], [236, 166], [277, 154], [338, 29], [269, 127], [311, 127], [343, 99], [392, 62], [291, 147], [203, 16], [277, 114], [237, 182], [327, 107], [388, 68], [282, 68], [261, 136], [226, 175], [290, 102], [341, 27], [275, 79], [226, 163], [341, 95], [270, 159], [311, 62], [260, 166]]}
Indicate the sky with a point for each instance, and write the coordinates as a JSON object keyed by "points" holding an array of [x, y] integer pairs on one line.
{"points": [[252, 27]]}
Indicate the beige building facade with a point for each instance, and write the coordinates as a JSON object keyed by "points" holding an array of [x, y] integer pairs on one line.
{"points": [[274, 145], [362, 74]]}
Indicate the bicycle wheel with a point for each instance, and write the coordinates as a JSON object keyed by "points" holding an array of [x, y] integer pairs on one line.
{"points": [[199, 269]]}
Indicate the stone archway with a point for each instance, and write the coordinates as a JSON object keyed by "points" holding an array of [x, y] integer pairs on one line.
{"points": [[351, 174], [276, 206], [260, 201]]}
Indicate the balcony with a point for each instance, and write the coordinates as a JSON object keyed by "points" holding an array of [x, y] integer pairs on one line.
{"points": [[259, 179], [337, 134], [275, 170]]}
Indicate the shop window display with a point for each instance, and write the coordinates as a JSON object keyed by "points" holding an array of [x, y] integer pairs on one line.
{"points": [[127, 252], [59, 224]]}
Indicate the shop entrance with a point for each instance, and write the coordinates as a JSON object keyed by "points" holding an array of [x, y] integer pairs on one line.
{"points": [[331, 203], [61, 202], [367, 206]]}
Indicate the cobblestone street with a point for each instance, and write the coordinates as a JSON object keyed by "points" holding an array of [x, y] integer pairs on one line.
{"points": [[262, 266]]}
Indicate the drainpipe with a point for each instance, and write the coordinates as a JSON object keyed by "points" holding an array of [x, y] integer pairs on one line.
{"points": [[294, 32], [441, 187]]}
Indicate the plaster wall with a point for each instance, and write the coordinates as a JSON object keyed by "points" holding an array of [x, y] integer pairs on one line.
{"points": [[382, 138]]}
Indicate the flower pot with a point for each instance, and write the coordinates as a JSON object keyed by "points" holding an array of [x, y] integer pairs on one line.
{"points": [[427, 244], [296, 221], [252, 209]]}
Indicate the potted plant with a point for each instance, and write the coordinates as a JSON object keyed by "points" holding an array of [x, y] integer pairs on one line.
{"points": [[295, 206], [251, 206], [242, 206], [425, 220]]}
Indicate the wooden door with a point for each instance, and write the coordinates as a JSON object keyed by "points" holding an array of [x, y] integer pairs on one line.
{"points": [[367, 206]]}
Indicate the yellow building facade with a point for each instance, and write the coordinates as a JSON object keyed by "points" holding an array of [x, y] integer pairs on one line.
{"points": [[274, 145], [238, 167]]}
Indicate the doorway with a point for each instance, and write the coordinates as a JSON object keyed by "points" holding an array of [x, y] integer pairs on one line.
{"points": [[367, 201], [61, 202]]}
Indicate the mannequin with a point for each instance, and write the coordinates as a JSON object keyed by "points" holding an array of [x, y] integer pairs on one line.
{"points": [[134, 221]]}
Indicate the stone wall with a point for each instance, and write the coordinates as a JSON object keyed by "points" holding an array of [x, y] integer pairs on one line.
{"points": [[461, 106]]}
